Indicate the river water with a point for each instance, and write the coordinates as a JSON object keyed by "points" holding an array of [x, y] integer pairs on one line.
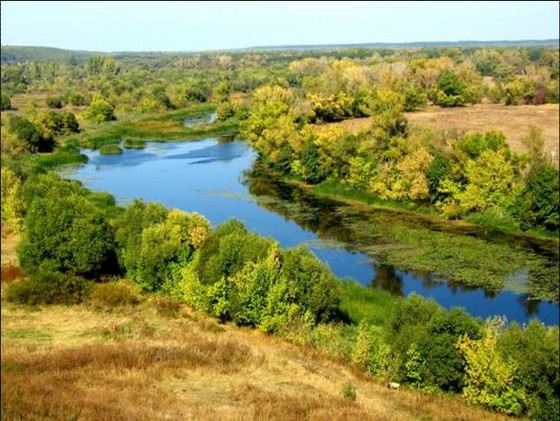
{"points": [[209, 177]]}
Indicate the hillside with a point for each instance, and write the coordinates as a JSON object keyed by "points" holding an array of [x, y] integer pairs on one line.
{"points": [[161, 360]]}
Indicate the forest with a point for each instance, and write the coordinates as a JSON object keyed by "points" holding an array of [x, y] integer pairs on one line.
{"points": [[81, 247]]}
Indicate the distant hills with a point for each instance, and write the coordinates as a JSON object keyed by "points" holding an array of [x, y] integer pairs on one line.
{"points": [[21, 54], [420, 44]]}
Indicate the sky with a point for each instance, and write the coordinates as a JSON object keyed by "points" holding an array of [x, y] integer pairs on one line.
{"points": [[197, 26]]}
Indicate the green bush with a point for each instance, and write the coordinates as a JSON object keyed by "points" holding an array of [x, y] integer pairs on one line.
{"points": [[153, 243], [348, 391], [110, 150], [54, 102], [473, 144], [129, 227], [130, 143], [49, 288], [491, 380], [65, 230], [438, 171], [113, 294], [5, 102], [414, 98], [251, 286]]}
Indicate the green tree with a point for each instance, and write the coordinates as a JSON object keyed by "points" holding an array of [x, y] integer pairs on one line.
{"points": [[450, 90], [66, 233], [535, 350], [227, 250], [443, 365]]}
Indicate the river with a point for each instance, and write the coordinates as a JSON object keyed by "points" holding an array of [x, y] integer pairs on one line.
{"points": [[210, 177]]}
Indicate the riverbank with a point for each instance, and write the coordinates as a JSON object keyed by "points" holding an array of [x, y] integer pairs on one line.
{"points": [[457, 252]]}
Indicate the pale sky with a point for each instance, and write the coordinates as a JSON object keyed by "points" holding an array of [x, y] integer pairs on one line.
{"points": [[188, 26]]}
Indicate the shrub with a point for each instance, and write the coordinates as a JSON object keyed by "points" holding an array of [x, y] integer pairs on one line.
{"points": [[414, 98], [437, 172], [110, 150], [473, 144], [49, 288], [129, 227], [539, 200], [5, 102], [60, 123], [54, 102], [130, 143], [349, 391], [167, 306], [11, 203], [154, 242], [114, 294]]}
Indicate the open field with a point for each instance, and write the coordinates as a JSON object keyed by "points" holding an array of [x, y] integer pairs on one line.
{"points": [[512, 120]]}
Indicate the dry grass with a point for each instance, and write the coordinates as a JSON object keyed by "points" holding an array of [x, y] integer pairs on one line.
{"points": [[512, 120], [144, 363]]}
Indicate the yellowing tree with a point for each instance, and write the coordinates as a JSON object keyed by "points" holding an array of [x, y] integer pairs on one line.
{"points": [[491, 380], [490, 182]]}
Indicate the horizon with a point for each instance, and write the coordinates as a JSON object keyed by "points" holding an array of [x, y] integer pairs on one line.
{"points": [[110, 27], [364, 44]]}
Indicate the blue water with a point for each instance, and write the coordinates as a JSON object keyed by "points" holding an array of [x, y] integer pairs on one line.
{"points": [[207, 177]]}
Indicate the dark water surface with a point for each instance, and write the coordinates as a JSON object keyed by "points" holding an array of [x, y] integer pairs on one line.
{"points": [[208, 177]]}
